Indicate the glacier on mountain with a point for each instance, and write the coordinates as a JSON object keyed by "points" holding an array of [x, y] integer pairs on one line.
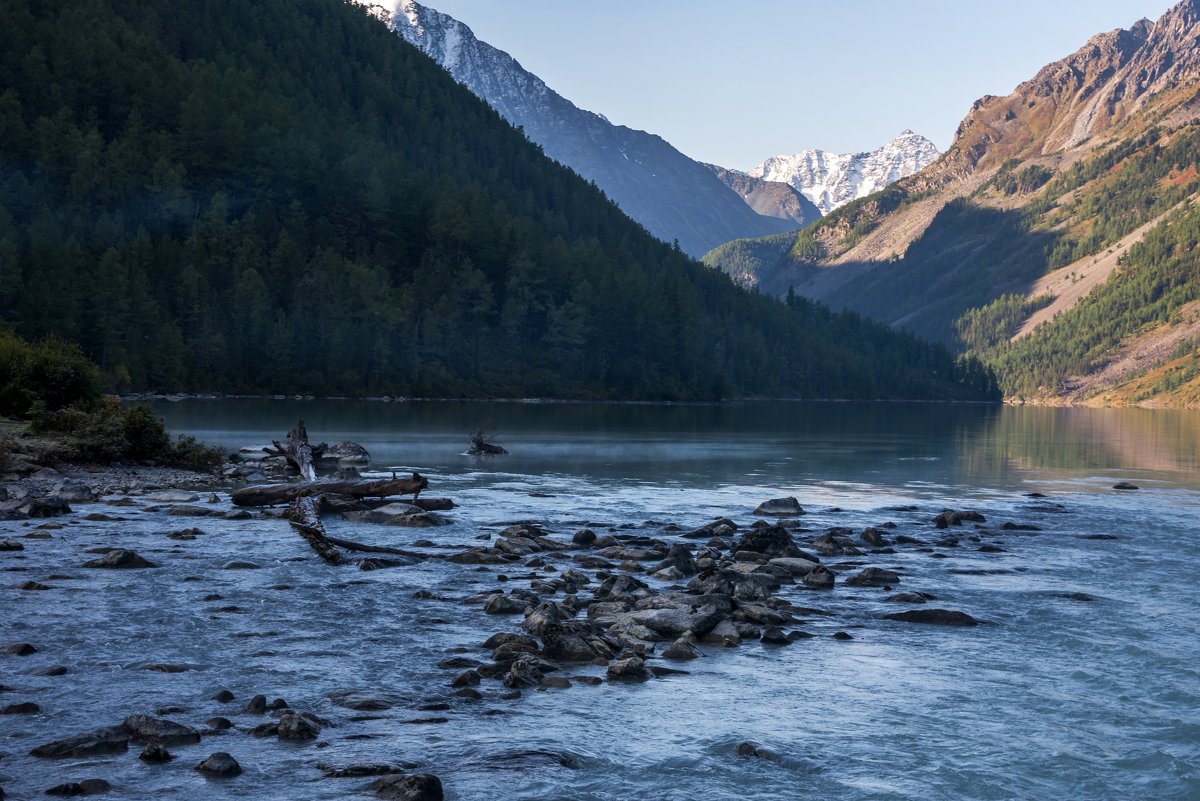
{"points": [[833, 179]]}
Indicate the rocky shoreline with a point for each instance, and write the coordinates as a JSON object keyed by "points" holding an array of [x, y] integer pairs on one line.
{"points": [[633, 601]]}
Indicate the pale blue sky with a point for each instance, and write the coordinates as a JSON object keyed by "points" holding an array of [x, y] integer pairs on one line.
{"points": [[736, 81]]}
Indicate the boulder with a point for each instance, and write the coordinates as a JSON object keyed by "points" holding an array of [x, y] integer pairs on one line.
{"points": [[874, 537], [293, 726], [220, 765], [677, 621], [344, 454], [949, 517], [682, 649], [422, 520], [418, 787], [155, 754], [500, 604], [836, 542], [11, 545], [25, 708], [772, 541], [1124, 485], [773, 635], [628, 668], [936, 617], [120, 559], [795, 565], [85, 787], [571, 642], [525, 671], [147, 729], [384, 514], [780, 506], [49, 506], [171, 497], [821, 578], [873, 577], [109, 740]]}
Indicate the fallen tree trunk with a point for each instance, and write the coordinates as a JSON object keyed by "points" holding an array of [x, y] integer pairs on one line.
{"points": [[305, 517], [298, 452], [351, 545], [275, 494]]}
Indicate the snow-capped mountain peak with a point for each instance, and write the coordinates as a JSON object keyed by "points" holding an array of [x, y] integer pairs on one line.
{"points": [[833, 179]]}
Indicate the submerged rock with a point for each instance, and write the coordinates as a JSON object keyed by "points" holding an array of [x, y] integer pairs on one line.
{"points": [[149, 729], [221, 765], [820, 578], [109, 740], [873, 577], [936, 617], [419, 787], [780, 506], [85, 787], [120, 559], [629, 668], [155, 754]]}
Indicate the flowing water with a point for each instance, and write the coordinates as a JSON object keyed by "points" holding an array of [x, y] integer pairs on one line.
{"points": [[1058, 698]]}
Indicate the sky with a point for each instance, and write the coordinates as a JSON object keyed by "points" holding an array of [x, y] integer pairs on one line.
{"points": [[734, 82]]}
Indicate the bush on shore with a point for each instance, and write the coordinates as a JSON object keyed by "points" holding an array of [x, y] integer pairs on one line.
{"points": [[59, 391]]}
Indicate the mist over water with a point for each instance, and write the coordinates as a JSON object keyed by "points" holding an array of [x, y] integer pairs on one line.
{"points": [[1060, 698]]}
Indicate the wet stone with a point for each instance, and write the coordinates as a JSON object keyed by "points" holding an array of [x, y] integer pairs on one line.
{"points": [[220, 765], [223, 696], [419, 787], [120, 559], [109, 740], [85, 787], [159, 730], [26, 708], [155, 754], [936, 617]]}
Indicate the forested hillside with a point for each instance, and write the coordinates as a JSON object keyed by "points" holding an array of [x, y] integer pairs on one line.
{"points": [[284, 197], [1056, 240]]}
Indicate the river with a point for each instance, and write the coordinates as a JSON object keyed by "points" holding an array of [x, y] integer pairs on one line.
{"points": [[1058, 697]]}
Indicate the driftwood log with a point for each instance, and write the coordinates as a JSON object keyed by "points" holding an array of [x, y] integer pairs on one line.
{"points": [[481, 447], [305, 517], [297, 451], [275, 494]]}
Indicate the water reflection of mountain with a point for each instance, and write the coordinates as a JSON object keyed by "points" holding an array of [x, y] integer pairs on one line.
{"points": [[760, 443], [1079, 439]]}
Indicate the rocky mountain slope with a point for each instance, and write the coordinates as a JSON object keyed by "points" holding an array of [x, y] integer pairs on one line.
{"points": [[831, 180], [672, 196], [1091, 166], [770, 198]]}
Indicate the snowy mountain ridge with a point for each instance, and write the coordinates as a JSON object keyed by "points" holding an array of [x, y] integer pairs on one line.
{"points": [[674, 197], [833, 179]]}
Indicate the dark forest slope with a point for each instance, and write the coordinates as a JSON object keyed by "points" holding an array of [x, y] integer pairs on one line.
{"points": [[283, 196]]}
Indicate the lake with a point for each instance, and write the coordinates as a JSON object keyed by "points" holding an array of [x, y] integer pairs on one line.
{"points": [[1085, 684]]}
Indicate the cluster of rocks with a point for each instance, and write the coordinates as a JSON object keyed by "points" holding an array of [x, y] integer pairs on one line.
{"points": [[157, 735], [721, 592], [261, 463]]}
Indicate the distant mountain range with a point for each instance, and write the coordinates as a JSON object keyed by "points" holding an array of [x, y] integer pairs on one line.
{"points": [[831, 180], [674, 197], [1056, 239]]}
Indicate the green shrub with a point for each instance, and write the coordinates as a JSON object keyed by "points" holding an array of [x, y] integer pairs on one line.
{"points": [[190, 453], [52, 372]]}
